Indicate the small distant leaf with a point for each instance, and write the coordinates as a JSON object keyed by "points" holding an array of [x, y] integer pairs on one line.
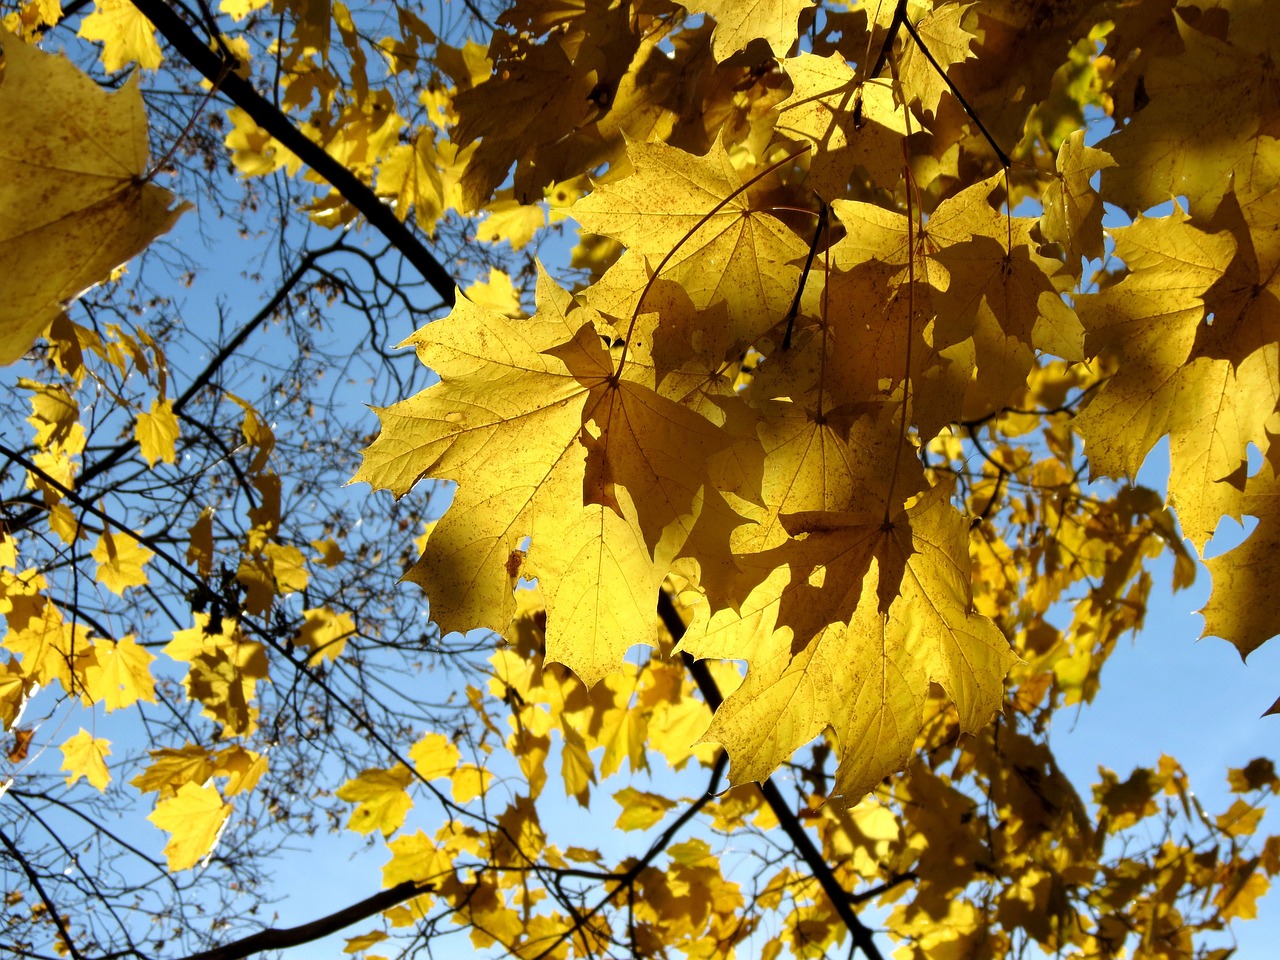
{"points": [[157, 432], [640, 810], [325, 633], [85, 756], [364, 941], [381, 800]]}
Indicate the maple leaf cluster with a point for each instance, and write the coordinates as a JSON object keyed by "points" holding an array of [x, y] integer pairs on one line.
{"points": [[851, 388], [803, 300]]}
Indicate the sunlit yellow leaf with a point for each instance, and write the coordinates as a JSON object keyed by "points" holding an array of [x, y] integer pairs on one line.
{"points": [[435, 756], [120, 561], [469, 782], [381, 800], [85, 756], [325, 633], [195, 817], [120, 674], [127, 35], [157, 432], [75, 204]]}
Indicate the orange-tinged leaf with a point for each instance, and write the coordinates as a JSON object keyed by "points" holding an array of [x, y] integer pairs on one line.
{"points": [[85, 756], [382, 802], [120, 561], [71, 187], [195, 817]]}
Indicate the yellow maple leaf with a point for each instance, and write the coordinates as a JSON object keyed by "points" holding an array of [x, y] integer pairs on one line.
{"points": [[325, 633], [510, 220], [1072, 208], [640, 810], [381, 800], [71, 185], [364, 941], [589, 474], [224, 670], [15, 689], [120, 561], [497, 293], [860, 662], [435, 756], [738, 22], [119, 674], [127, 35], [948, 42], [742, 256], [157, 431], [1249, 572], [55, 415], [849, 123], [469, 782], [195, 817], [416, 857], [85, 756]]}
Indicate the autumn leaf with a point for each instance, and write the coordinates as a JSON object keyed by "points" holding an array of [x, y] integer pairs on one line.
{"points": [[120, 561], [325, 633], [380, 798], [120, 674], [724, 248], [590, 477], [739, 23], [195, 817], [127, 36], [1242, 575], [435, 756], [74, 201], [867, 677], [85, 756], [157, 431], [640, 810]]}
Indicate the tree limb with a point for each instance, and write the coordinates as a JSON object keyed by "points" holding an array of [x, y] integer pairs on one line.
{"points": [[273, 939], [791, 826], [270, 118]]}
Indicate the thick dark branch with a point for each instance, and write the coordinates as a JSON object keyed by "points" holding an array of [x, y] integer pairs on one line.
{"points": [[791, 825], [272, 939], [270, 118]]}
